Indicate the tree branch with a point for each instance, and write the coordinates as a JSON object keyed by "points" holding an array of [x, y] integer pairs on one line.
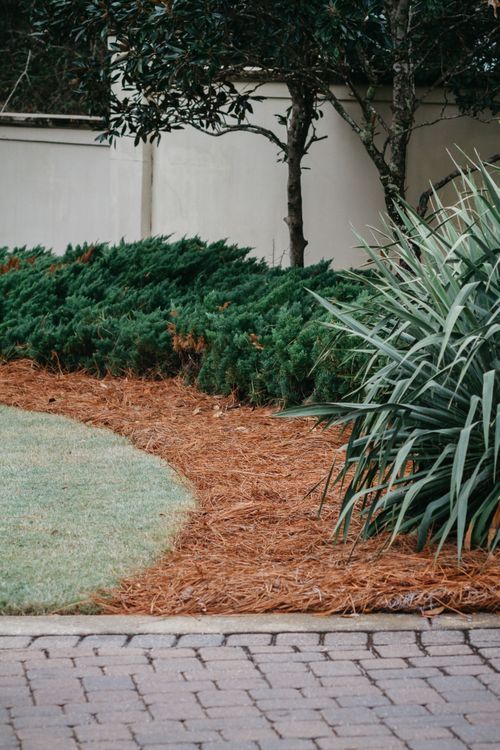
{"points": [[24, 74], [424, 199], [248, 128]]}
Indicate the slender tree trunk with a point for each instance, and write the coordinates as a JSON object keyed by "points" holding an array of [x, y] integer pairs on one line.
{"points": [[299, 125], [399, 13]]}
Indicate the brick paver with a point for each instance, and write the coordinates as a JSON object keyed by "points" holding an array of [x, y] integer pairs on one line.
{"points": [[431, 690]]}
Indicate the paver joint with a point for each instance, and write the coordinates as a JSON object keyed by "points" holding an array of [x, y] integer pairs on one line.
{"points": [[382, 690]]}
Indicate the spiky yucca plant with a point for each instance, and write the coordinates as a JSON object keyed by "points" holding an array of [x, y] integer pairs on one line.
{"points": [[423, 451]]}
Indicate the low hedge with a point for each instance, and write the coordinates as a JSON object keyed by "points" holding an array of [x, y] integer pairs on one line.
{"points": [[223, 319]]}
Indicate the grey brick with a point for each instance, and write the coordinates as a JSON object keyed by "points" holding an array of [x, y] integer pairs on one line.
{"points": [[55, 641], [47, 665], [109, 745], [335, 668], [273, 667], [17, 655], [458, 696], [422, 732], [395, 651], [174, 687], [288, 744], [483, 718], [177, 709], [108, 682], [229, 668], [29, 733], [402, 712], [478, 732], [394, 637], [54, 743], [212, 698], [170, 654], [222, 653], [380, 664], [473, 669], [462, 682], [492, 679], [224, 722], [240, 683], [232, 711], [441, 744], [125, 657], [484, 636], [152, 641], [115, 670], [199, 641], [102, 733], [293, 713], [303, 729], [191, 665], [58, 697], [403, 694], [223, 746], [465, 706], [341, 716], [297, 639], [346, 640], [440, 637], [249, 639], [441, 720], [360, 743], [170, 732], [373, 699], [355, 655], [291, 679], [128, 716], [13, 681], [242, 734], [40, 721], [410, 673], [11, 668], [444, 661], [341, 686], [10, 698], [297, 704], [14, 641], [363, 730], [454, 650], [129, 698], [102, 641], [267, 693]]}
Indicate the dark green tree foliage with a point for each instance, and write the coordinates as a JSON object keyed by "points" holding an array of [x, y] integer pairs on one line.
{"points": [[179, 63], [226, 321], [180, 59], [50, 83]]}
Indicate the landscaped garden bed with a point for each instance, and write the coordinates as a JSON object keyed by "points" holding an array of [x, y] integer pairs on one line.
{"points": [[414, 489], [254, 543]]}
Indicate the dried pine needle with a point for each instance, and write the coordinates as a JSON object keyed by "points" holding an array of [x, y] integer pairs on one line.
{"points": [[254, 544]]}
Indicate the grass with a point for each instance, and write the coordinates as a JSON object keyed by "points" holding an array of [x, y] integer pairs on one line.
{"points": [[80, 508]]}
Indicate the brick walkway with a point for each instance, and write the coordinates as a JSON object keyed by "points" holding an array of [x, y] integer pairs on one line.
{"points": [[430, 690]]}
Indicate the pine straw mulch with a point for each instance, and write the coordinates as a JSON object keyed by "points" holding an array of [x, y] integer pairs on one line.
{"points": [[254, 544]]}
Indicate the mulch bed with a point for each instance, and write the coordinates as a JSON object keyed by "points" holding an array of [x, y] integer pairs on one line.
{"points": [[255, 543]]}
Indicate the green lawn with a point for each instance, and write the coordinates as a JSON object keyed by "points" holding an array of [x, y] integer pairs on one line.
{"points": [[79, 508]]}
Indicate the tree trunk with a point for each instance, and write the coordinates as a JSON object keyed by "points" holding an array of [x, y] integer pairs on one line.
{"points": [[299, 124], [399, 13]]}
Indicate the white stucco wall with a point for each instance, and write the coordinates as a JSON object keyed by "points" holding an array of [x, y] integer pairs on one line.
{"points": [[58, 186], [232, 186]]}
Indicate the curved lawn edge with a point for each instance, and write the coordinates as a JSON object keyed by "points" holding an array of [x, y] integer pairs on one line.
{"points": [[80, 508]]}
